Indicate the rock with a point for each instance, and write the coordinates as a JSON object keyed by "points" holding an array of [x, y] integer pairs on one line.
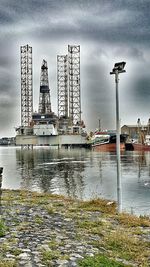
{"points": [[23, 256], [62, 262], [45, 247], [110, 203], [27, 250], [90, 254], [73, 264], [10, 256], [73, 258], [25, 264], [76, 256]]}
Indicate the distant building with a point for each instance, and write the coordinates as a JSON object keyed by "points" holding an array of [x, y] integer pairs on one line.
{"points": [[5, 141], [133, 130]]}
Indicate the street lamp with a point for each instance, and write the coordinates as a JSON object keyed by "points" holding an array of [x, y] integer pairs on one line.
{"points": [[118, 68]]}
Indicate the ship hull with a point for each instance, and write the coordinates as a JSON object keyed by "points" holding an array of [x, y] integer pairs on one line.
{"points": [[141, 147], [109, 147]]}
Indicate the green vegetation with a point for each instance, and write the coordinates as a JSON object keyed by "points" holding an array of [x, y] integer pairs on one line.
{"points": [[122, 244], [101, 205], [2, 228], [99, 261], [133, 221], [50, 209], [4, 263], [48, 256], [38, 219]]}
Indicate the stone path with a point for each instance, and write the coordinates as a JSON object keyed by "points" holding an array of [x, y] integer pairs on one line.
{"points": [[37, 238], [49, 231]]}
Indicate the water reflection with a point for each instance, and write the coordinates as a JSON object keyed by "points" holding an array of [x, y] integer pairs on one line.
{"points": [[136, 181], [137, 162], [51, 171], [79, 173]]}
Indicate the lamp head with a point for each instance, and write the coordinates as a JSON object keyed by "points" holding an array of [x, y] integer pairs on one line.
{"points": [[119, 66]]}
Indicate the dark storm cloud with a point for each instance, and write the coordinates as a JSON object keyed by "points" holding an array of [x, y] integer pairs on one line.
{"points": [[141, 90], [113, 21], [133, 52], [106, 24], [106, 30]]}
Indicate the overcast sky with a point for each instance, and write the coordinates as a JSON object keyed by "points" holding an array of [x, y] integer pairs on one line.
{"points": [[107, 31]]}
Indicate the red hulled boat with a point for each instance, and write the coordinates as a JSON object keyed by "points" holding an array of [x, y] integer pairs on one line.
{"points": [[106, 141]]}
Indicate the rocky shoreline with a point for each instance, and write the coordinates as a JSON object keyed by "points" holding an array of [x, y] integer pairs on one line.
{"points": [[48, 230]]}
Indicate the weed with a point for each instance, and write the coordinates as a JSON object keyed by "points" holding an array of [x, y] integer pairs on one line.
{"points": [[48, 256], [124, 245], [50, 209], [16, 251], [2, 228], [53, 244], [7, 263], [38, 219], [98, 205], [99, 261], [133, 221]]}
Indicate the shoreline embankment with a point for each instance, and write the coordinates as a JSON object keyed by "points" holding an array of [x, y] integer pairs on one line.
{"points": [[40, 229]]}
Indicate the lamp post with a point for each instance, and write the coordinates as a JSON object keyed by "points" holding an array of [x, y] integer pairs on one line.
{"points": [[118, 68]]}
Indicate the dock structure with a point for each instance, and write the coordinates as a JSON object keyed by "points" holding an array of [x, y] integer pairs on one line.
{"points": [[53, 140]]}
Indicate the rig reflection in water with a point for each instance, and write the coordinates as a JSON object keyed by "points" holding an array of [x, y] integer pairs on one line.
{"points": [[51, 171]]}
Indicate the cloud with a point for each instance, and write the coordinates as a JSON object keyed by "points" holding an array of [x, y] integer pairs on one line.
{"points": [[108, 31]]}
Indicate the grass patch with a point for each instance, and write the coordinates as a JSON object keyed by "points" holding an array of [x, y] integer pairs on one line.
{"points": [[91, 227], [2, 228], [4, 263], [50, 209], [15, 251], [89, 224], [53, 244], [38, 219], [99, 261], [99, 205], [133, 221], [124, 245], [48, 256]]}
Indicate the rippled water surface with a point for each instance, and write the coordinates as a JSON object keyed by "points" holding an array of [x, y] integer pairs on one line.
{"points": [[79, 173]]}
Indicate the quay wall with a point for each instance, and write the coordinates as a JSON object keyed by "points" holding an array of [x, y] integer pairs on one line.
{"points": [[50, 140]]}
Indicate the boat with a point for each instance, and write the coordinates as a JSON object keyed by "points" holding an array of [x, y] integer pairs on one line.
{"points": [[144, 145], [106, 141]]}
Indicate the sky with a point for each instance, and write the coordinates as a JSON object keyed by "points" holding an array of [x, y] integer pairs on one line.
{"points": [[107, 32]]}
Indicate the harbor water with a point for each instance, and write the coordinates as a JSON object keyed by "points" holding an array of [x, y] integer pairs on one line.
{"points": [[79, 173]]}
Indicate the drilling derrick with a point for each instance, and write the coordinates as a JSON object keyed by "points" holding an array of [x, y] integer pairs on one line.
{"points": [[26, 85], [44, 100], [74, 84], [62, 85]]}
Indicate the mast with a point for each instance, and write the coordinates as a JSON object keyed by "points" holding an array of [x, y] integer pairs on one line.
{"points": [[44, 99]]}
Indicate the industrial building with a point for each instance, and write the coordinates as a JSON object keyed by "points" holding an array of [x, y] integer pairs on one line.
{"points": [[133, 130], [45, 127]]}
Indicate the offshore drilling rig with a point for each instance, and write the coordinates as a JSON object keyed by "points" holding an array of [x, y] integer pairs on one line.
{"points": [[45, 121], [68, 88], [44, 127]]}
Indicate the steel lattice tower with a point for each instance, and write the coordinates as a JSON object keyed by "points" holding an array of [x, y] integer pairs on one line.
{"points": [[44, 100], [74, 84], [26, 85], [62, 85]]}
